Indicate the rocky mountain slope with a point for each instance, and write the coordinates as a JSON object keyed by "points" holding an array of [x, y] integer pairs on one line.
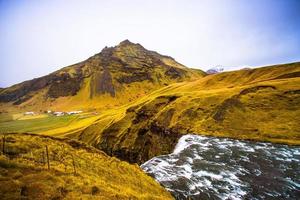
{"points": [[115, 76], [257, 104], [76, 171]]}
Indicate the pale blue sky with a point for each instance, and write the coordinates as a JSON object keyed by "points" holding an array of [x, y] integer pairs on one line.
{"points": [[39, 37]]}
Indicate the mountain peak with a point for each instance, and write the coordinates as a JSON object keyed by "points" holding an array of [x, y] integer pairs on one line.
{"points": [[126, 42]]}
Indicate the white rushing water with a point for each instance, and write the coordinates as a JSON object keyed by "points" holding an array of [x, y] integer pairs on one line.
{"points": [[218, 168]]}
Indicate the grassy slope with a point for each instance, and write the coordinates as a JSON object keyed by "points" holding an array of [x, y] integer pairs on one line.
{"points": [[260, 104], [24, 173]]}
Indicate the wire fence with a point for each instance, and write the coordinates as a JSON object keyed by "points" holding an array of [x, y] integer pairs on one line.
{"points": [[58, 157]]}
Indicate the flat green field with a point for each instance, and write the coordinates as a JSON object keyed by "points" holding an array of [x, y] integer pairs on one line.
{"points": [[44, 124]]}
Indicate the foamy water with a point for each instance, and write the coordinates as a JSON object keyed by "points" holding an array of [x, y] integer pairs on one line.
{"points": [[219, 168]]}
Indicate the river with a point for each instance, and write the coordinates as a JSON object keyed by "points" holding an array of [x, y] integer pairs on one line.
{"points": [[203, 167]]}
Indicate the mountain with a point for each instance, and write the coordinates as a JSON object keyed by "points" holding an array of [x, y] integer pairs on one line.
{"points": [[76, 171], [257, 104], [115, 76], [138, 103], [215, 70]]}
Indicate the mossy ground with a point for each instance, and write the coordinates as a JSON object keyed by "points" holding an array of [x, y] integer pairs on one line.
{"points": [[24, 173]]}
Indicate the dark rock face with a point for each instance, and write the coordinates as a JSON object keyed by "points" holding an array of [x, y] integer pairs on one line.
{"points": [[149, 142], [106, 54], [292, 92], [104, 84], [175, 72], [22, 99], [17, 93], [142, 138], [226, 105], [59, 85], [255, 89], [135, 77], [289, 75], [65, 87]]}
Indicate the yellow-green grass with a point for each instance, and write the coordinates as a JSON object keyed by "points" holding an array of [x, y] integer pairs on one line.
{"points": [[49, 124], [265, 115], [4, 117], [21, 116], [77, 171]]}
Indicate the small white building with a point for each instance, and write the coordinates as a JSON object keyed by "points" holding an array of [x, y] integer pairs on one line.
{"points": [[29, 113], [74, 112], [58, 114]]}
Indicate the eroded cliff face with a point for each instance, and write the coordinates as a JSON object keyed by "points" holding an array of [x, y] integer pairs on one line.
{"points": [[139, 136], [65, 85]]}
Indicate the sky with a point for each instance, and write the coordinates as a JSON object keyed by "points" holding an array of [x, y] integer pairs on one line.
{"points": [[39, 37]]}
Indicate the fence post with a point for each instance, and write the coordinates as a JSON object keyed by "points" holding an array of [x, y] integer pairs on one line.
{"points": [[47, 157], [3, 144], [74, 164], [43, 158]]}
